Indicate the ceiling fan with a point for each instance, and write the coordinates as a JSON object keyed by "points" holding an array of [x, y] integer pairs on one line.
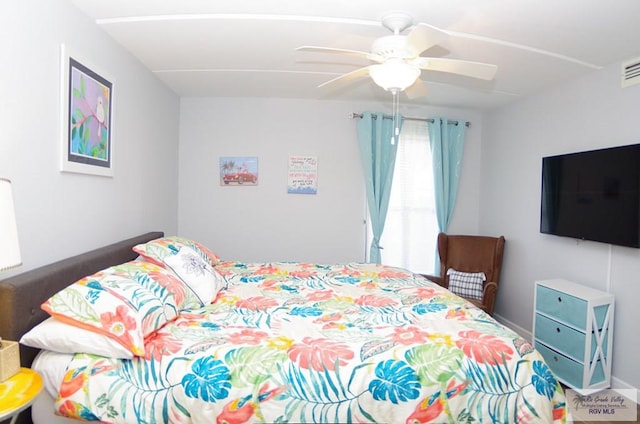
{"points": [[398, 61]]}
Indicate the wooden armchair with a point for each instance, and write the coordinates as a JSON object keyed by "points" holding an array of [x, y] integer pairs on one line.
{"points": [[471, 254]]}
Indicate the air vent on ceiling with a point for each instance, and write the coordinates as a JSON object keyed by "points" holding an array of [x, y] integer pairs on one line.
{"points": [[631, 72]]}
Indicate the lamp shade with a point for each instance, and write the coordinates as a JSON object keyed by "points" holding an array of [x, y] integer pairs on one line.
{"points": [[394, 74], [9, 247]]}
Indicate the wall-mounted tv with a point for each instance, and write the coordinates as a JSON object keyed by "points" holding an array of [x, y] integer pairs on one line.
{"points": [[593, 195]]}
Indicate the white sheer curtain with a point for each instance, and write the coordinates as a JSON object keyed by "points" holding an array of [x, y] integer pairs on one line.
{"points": [[411, 229]]}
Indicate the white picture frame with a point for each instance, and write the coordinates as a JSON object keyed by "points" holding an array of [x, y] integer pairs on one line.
{"points": [[87, 116]]}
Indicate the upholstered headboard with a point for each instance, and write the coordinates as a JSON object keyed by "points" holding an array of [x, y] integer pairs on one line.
{"points": [[22, 295]]}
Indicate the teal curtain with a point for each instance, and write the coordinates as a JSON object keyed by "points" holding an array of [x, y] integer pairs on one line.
{"points": [[447, 142], [378, 157]]}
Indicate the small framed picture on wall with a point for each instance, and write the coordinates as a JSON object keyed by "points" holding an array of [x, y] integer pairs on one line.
{"points": [[87, 117], [303, 175], [238, 170]]}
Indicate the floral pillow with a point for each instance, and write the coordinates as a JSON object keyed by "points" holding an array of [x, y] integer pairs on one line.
{"points": [[125, 302], [197, 274], [157, 250], [184, 297], [466, 284]]}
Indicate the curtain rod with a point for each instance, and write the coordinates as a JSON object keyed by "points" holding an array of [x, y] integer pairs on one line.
{"points": [[354, 115]]}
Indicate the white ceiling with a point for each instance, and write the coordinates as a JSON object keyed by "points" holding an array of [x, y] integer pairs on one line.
{"points": [[246, 47]]}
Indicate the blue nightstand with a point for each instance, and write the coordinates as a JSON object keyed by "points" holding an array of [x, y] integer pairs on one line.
{"points": [[573, 330]]}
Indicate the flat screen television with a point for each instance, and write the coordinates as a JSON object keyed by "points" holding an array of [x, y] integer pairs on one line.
{"points": [[593, 195]]}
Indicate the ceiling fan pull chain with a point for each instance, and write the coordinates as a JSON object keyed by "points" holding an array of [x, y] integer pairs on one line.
{"points": [[395, 111]]}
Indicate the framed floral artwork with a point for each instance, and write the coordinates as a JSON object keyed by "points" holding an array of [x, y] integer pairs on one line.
{"points": [[87, 117]]}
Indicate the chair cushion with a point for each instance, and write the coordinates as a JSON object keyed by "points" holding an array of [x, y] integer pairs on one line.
{"points": [[466, 284]]}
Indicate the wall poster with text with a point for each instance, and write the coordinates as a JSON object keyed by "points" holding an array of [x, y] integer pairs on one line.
{"points": [[303, 175]]}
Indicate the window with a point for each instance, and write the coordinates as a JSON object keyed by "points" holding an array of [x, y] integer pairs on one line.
{"points": [[411, 229]]}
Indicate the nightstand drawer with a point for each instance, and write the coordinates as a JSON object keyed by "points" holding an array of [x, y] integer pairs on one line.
{"points": [[562, 306], [563, 338], [570, 372], [567, 370]]}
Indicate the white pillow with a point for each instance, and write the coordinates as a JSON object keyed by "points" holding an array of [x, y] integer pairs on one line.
{"points": [[198, 275], [58, 336], [52, 366], [466, 284]]}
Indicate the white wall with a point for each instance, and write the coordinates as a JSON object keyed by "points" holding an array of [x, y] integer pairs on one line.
{"points": [[61, 214], [264, 223], [589, 113]]}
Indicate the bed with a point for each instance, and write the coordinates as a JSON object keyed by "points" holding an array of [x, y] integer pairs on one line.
{"points": [[271, 342]]}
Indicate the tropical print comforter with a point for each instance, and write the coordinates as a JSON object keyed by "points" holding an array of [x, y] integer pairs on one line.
{"points": [[300, 342]]}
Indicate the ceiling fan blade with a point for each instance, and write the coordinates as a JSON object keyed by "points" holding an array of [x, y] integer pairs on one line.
{"points": [[484, 71], [423, 37], [348, 52], [416, 90], [360, 72]]}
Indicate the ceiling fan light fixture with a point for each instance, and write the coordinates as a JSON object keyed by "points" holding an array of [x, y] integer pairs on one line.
{"points": [[394, 75]]}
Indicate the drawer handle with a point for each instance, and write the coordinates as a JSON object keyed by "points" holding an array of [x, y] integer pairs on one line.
{"points": [[555, 358], [558, 329], [559, 299]]}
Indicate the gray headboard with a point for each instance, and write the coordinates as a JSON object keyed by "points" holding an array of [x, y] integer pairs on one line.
{"points": [[22, 295]]}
